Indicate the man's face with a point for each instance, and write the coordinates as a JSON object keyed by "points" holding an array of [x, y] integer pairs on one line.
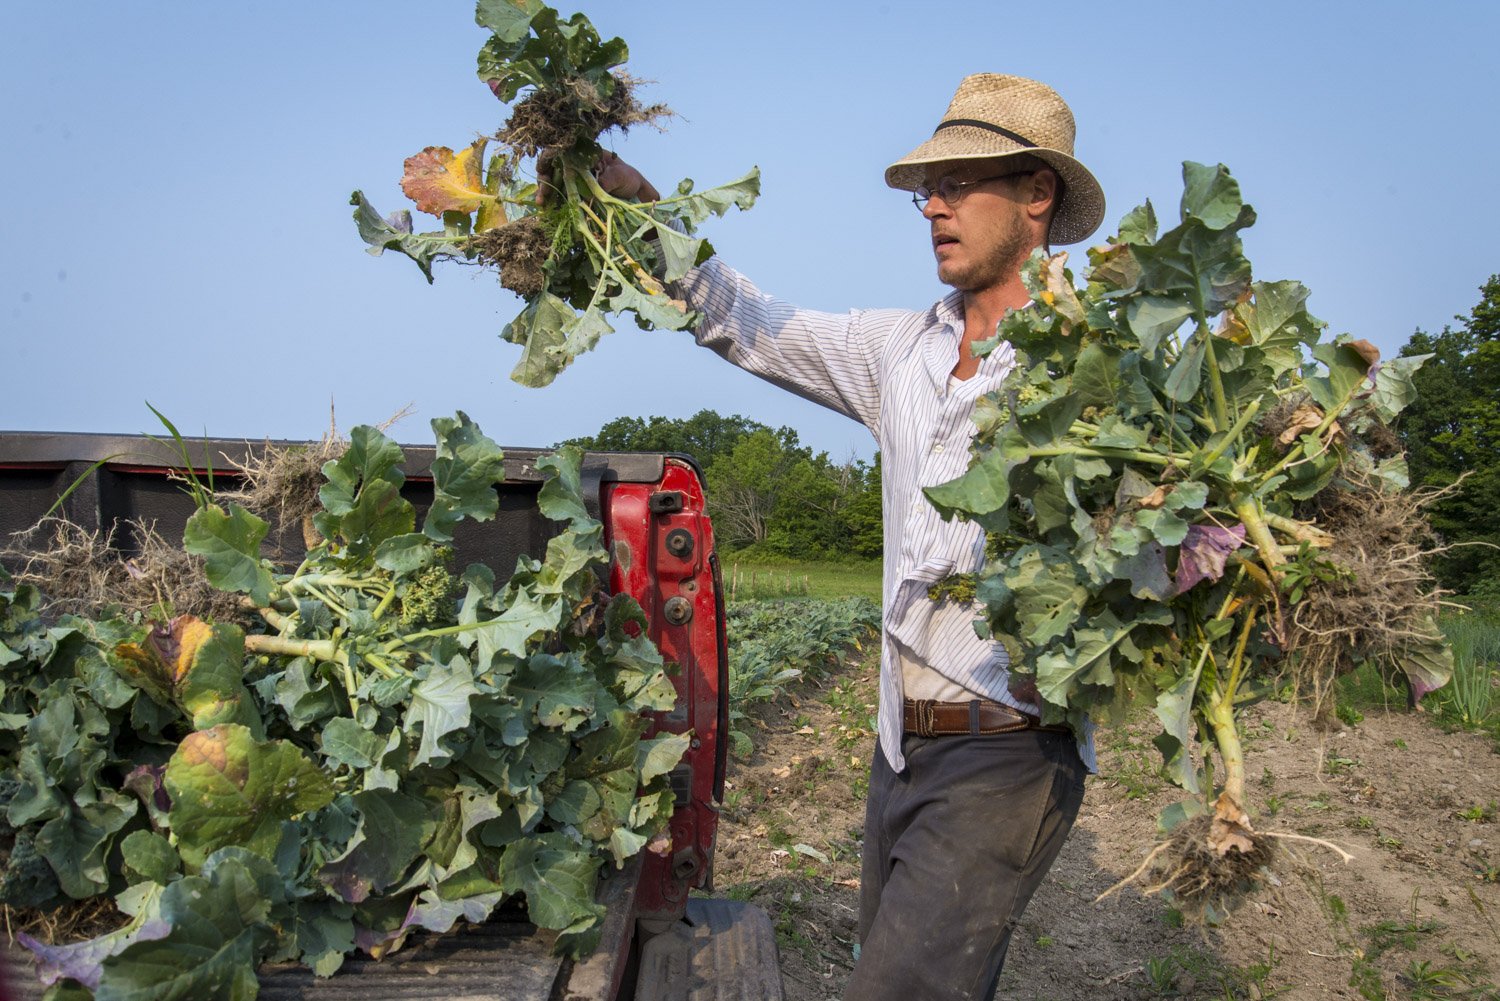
{"points": [[981, 239]]}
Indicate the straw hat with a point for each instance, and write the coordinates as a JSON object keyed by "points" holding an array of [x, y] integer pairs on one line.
{"points": [[995, 115]]}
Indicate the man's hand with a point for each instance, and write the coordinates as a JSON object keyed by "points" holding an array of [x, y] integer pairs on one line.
{"points": [[614, 175]]}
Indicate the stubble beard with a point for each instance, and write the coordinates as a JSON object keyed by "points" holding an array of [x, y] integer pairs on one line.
{"points": [[996, 269]]}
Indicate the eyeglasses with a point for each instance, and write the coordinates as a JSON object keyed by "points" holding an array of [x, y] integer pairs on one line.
{"points": [[952, 191]]}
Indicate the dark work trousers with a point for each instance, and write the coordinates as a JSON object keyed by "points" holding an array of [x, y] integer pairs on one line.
{"points": [[955, 846]]}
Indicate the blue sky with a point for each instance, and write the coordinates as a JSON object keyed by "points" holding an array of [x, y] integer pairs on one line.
{"points": [[176, 226]]}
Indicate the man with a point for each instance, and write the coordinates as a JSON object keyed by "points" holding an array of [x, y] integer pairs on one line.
{"points": [[970, 797]]}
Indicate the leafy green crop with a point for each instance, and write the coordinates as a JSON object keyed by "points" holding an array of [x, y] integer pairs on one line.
{"points": [[772, 643], [382, 748], [1191, 497], [582, 252]]}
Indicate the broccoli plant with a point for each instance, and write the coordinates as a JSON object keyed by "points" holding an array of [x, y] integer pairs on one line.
{"points": [[572, 250], [1192, 499]]}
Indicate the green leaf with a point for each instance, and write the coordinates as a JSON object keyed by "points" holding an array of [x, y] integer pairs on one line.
{"points": [[1211, 195], [440, 705], [210, 951], [229, 789], [1153, 318], [1096, 376], [560, 691], [1051, 420], [464, 473], [510, 632], [1394, 387], [541, 329], [1174, 708], [1347, 372], [982, 490], [1427, 660], [403, 554], [740, 193], [150, 856], [393, 827], [1139, 225], [1187, 372], [680, 252], [230, 546], [510, 20], [561, 496], [212, 689], [77, 844], [371, 457], [558, 881], [1048, 596], [659, 310], [660, 754], [345, 742], [395, 234]]}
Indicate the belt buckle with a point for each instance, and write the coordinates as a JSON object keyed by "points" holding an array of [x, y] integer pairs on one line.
{"points": [[922, 717]]}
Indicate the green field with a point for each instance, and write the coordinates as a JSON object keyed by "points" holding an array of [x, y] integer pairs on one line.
{"points": [[746, 580]]}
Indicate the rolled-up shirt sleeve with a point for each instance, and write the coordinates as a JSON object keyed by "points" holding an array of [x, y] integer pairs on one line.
{"points": [[832, 359]]}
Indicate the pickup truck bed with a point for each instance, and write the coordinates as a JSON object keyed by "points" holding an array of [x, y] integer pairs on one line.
{"points": [[659, 944]]}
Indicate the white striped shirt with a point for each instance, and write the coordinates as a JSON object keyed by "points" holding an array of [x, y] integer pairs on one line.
{"points": [[888, 369]]}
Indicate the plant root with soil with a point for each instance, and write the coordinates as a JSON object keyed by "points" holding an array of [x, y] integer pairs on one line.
{"points": [[79, 572], [1383, 601], [576, 111]]}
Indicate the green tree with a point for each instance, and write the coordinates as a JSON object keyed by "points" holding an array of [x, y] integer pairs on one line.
{"points": [[863, 515], [1453, 429], [705, 436]]}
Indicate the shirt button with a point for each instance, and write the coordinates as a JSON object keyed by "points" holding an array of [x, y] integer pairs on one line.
{"points": [[937, 448]]}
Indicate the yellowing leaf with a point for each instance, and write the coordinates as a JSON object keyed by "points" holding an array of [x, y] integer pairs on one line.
{"points": [[168, 652], [439, 180], [1059, 293]]}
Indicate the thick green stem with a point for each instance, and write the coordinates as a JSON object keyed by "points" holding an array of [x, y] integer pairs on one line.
{"points": [[1215, 378], [1259, 533], [407, 640], [1301, 531], [1234, 433], [1098, 452], [316, 649], [1220, 715]]}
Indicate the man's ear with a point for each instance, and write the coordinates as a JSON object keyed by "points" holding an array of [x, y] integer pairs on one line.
{"points": [[1044, 188]]}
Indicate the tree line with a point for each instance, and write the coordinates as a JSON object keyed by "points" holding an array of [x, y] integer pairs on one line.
{"points": [[1452, 436], [768, 493]]}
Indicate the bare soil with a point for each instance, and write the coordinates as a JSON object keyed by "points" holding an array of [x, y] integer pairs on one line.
{"points": [[1416, 914]]}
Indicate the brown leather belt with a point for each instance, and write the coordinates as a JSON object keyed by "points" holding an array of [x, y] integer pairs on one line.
{"points": [[926, 718]]}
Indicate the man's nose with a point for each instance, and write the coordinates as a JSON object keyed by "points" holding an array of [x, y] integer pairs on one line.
{"points": [[936, 207]]}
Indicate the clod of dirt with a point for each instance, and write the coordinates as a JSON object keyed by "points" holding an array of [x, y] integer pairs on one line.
{"points": [[1206, 859], [519, 249], [576, 111]]}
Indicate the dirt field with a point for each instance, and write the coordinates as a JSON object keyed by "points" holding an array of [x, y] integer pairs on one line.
{"points": [[1415, 915]]}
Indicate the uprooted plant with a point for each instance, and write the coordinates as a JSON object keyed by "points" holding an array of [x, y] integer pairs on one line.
{"points": [[580, 252], [1192, 501], [378, 746]]}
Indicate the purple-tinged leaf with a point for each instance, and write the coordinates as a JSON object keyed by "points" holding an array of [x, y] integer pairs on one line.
{"points": [[1204, 552], [83, 961]]}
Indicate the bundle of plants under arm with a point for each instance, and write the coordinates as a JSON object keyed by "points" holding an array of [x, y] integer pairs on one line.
{"points": [[1195, 501], [363, 745], [577, 252]]}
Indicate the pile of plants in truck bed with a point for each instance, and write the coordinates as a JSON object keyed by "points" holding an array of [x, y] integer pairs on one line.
{"points": [[364, 744], [1194, 501], [534, 210]]}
